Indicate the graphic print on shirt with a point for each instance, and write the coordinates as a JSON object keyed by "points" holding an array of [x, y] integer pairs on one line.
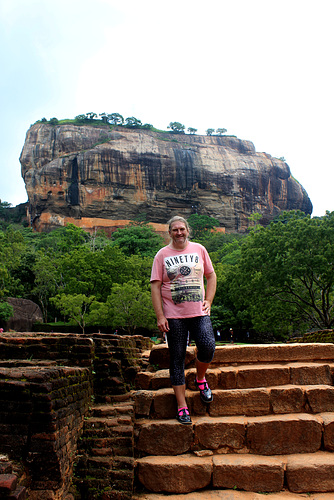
{"points": [[185, 274]]}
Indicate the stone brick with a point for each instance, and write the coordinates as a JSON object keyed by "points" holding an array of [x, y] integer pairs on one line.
{"points": [[143, 402], [328, 419], [224, 432], [240, 402], [228, 378], [181, 474], [164, 405], [320, 398], [262, 376], [306, 473], [8, 483], [310, 374], [279, 435], [250, 473], [288, 399], [164, 438], [161, 380], [143, 380]]}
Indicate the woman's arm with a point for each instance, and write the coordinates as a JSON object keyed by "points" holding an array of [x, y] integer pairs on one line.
{"points": [[162, 322], [211, 285]]}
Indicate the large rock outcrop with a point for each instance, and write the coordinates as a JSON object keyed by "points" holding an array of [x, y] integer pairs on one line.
{"points": [[98, 174]]}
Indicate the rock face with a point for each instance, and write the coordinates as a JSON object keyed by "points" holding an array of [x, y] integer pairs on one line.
{"points": [[26, 313], [95, 172]]}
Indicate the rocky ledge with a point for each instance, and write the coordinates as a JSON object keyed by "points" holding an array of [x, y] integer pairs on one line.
{"points": [[98, 173]]}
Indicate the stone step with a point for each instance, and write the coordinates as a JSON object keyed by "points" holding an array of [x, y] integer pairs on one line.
{"points": [[247, 376], [183, 474], [234, 495], [241, 354], [250, 402], [265, 435]]}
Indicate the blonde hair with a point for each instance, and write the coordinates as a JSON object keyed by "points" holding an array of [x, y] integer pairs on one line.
{"points": [[177, 218]]}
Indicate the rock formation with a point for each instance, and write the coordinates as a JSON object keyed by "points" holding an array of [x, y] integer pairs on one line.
{"points": [[99, 174]]}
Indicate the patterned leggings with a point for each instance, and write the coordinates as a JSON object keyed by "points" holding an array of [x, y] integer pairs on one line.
{"points": [[200, 330]]}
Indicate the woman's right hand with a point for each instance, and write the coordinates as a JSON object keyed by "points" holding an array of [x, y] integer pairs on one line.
{"points": [[163, 324]]}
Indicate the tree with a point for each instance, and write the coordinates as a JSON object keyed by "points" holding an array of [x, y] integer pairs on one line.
{"points": [[176, 127], [138, 240], [210, 131], [132, 122], [129, 306], [75, 307], [202, 225], [91, 116], [53, 121], [6, 311], [285, 275], [221, 131], [104, 117], [115, 119], [147, 126], [80, 118], [192, 130]]}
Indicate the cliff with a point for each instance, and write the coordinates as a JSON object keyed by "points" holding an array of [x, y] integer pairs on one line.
{"points": [[98, 174]]}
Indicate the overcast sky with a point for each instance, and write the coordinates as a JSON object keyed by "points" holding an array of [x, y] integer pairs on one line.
{"points": [[262, 69]]}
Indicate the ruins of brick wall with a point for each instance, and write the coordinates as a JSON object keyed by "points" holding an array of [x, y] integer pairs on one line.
{"points": [[47, 383]]}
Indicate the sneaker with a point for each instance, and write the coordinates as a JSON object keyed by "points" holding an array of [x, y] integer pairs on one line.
{"points": [[205, 391], [183, 416]]}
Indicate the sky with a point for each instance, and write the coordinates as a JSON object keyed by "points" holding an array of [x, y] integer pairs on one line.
{"points": [[262, 69]]}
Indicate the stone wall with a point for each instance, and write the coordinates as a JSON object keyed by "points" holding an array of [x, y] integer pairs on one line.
{"points": [[47, 386]]}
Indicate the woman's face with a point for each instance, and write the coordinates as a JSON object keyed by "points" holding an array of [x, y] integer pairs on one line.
{"points": [[179, 233]]}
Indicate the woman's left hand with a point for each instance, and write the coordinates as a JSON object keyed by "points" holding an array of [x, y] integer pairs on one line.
{"points": [[207, 307]]}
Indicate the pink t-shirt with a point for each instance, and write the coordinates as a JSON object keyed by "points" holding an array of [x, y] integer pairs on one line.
{"points": [[181, 273]]}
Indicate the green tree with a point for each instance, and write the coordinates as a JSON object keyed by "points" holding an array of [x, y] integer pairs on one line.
{"points": [[176, 127], [53, 121], [129, 306], [132, 122], [192, 131], [75, 307], [221, 131], [6, 311], [285, 275], [138, 240], [209, 131], [91, 116], [115, 119], [202, 225]]}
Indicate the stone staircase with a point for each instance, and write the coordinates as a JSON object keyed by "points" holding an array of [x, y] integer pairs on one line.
{"points": [[269, 429]]}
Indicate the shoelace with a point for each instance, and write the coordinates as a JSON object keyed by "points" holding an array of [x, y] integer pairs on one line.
{"points": [[183, 410]]}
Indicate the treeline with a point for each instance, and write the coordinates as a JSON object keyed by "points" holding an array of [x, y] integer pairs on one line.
{"points": [[277, 280], [116, 119]]}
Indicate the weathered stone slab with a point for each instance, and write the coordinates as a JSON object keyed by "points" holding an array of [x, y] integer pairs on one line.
{"points": [[320, 398], [305, 472], [169, 437], [143, 380], [240, 402], [228, 378], [262, 376], [181, 474], [250, 473], [310, 374], [159, 356], [160, 380], [143, 402], [283, 434], [328, 419], [212, 377], [269, 353], [288, 399], [224, 432], [164, 405]]}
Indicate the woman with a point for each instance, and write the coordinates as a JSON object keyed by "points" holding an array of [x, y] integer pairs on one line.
{"points": [[181, 304]]}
